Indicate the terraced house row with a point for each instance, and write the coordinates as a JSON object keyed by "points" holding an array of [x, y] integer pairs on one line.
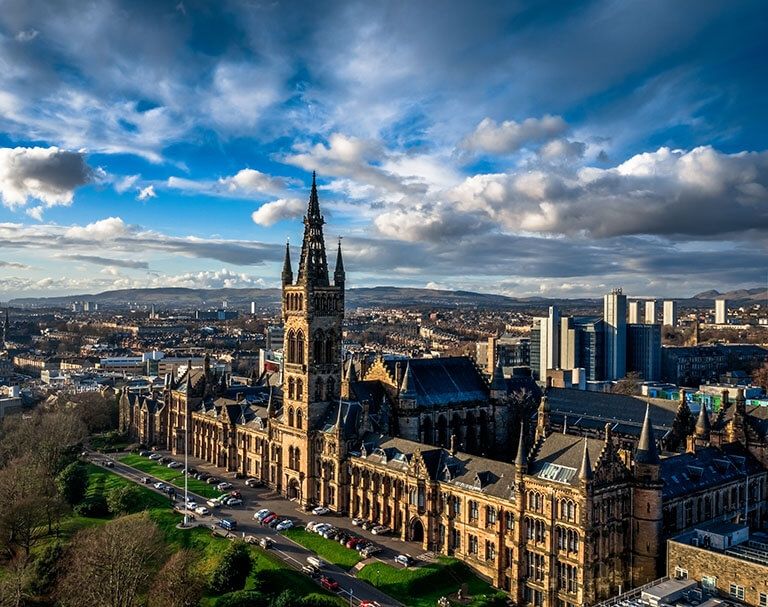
{"points": [[458, 462]]}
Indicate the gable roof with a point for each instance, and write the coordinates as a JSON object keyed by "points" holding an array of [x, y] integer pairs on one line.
{"points": [[444, 381]]}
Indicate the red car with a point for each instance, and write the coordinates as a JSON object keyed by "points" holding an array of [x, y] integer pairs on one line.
{"points": [[329, 584], [268, 519], [354, 542], [369, 604]]}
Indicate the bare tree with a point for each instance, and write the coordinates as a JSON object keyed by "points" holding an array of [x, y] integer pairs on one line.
{"points": [[15, 583], [177, 584], [111, 566], [23, 514], [629, 385]]}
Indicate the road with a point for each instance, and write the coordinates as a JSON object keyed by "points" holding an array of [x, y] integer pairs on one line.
{"points": [[290, 552]]}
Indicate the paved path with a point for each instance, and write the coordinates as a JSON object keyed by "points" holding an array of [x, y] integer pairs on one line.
{"points": [[290, 552]]}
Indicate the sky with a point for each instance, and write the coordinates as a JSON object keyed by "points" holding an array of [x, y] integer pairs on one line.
{"points": [[555, 149]]}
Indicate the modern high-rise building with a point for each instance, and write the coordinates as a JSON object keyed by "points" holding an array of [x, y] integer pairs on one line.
{"points": [[644, 350], [670, 313], [568, 343], [634, 312], [253, 307], [615, 318], [547, 354], [650, 312], [582, 346], [721, 311]]}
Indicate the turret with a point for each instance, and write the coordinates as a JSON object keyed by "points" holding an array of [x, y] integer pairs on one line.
{"points": [[542, 420], [338, 273], [585, 471], [703, 425], [647, 454], [408, 386], [287, 268], [521, 460], [498, 383]]}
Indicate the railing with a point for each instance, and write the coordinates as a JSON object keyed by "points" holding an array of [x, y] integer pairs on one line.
{"points": [[634, 593]]}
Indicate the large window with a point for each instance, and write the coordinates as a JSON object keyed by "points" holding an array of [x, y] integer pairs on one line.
{"points": [[737, 591], [473, 510], [472, 544], [534, 566]]}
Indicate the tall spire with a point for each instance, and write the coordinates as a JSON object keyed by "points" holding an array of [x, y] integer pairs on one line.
{"points": [[408, 386], [497, 381], [521, 461], [703, 425], [287, 269], [351, 373], [313, 265], [585, 472], [646, 452], [338, 273]]}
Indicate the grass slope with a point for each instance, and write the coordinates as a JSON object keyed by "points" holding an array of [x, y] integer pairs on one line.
{"points": [[329, 550], [169, 475], [423, 586]]}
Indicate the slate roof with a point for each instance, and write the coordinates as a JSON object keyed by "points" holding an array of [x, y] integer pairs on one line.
{"points": [[592, 410], [351, 418], [709, 467], [444, 381], [559, 457]]}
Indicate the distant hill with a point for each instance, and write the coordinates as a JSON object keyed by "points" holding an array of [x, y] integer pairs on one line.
{"points": [[240, 299]]}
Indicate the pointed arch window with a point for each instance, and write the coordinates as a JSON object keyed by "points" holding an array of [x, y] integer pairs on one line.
{"points": [[299, 419], [300, 347], [317, 346], [319, 389], [330, 342], [290, 416], [291, 386], [330, 389], [299, 389], [291, 346]]}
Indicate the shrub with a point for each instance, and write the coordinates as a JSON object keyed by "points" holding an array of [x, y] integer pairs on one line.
{"points": [[233, 569], [46, 568], [95, 506], [125, 500], [72, 483], [242, 598], [318, 600]]}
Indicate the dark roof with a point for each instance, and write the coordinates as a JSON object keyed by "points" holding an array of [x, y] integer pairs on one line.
{"points": [[709, 467], [444, 381], [586, 409], [560, 456]]}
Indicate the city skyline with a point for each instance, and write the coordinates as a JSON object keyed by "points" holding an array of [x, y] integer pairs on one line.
{"points": [[513, 150]]}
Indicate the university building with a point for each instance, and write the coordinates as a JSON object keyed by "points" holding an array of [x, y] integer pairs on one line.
{"points": [[558, 514]]}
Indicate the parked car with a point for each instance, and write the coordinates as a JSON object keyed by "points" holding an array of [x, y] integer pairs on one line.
{"points": [[369, 551], [146, 480], [321, 511], [227, 523], [175, 465], [311, 525], [236, 493], [202, 510], [315, 561], [266, 543], [283, 525], [251, 539], [358, 521], [360, 546], [321, 528], [155, 456], [274, 522], [191, 505], [404, 560], [160, 486], [254, 482], [268, 519], [343, 537], [211, 480], [234, 501], [329, 534], [108, 463], [145, 453], [236, 475], [380, 530], [311, 570], [203, 476], [369, 604], [225, 486], [368, 525], [354, 542], [329, 583], [261, 514]]}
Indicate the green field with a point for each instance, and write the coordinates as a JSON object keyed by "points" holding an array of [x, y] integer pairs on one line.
{"points": [[422, 586], [329, 550], [169, 475]]}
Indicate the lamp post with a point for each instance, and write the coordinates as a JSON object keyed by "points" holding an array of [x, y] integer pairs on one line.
{"points": [[186, 467]]}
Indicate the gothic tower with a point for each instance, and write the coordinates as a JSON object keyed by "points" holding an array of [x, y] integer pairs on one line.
{"points": [[313, 310]]}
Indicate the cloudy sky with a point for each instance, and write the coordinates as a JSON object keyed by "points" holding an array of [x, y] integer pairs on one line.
{"points": [[525, 148]]}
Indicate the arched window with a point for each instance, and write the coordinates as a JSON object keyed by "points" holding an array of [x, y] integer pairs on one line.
{"points": [[299, 417], [300, 347], [291, 346], [291, 384], [330, 342], [290, 416], [330, 389], [317, 347], [319, 389], [299, 389]]}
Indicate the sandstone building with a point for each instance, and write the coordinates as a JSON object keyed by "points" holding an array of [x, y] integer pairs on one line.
{"points": [[457, 462]]}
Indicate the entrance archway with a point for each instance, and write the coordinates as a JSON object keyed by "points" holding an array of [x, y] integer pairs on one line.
{"points": [[416, 531], [294, 489]]}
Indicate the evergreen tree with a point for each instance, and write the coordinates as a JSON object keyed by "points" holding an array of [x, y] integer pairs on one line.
{"points": [[233, 569]]}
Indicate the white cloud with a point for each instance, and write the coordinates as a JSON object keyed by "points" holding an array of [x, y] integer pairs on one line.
{"points": [[125, 183], [510, 136], [219, 279], [26, 35], [49, 175], [146, 192], [283, 208], [245, 183], [102, 230]]}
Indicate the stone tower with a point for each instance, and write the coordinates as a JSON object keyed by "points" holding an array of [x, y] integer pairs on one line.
{"points": [[313, 310], [647, 511]]}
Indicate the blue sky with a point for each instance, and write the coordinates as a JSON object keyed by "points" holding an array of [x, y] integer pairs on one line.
{"points": [[555, 149]]}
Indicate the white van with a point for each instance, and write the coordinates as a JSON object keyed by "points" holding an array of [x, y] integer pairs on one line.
{"points": [[315, 562]]}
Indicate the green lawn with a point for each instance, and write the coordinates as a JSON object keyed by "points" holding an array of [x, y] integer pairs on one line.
{"points": [[329, 550], [422, 586], [169, 475]]}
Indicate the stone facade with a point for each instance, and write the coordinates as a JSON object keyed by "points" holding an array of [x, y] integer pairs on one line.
{"points": [[448, 458]]}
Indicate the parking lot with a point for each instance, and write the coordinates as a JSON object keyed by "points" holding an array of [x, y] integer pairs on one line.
{"points": [[255, 499]]}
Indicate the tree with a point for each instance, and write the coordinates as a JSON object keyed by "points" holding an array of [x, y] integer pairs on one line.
{"points": [[760, 376], [111, 565], [72, 483], [287, 598], [177, 584], [46, 568], [233, 569], [15, 583], [23, 514], [243, 598], [629, 385], [125, 499]]}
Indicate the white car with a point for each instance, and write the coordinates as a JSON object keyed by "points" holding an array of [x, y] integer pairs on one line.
{"points": [[155, 456], [191, 505], [202, 510], [321, 528], [321, 511], [404, 559], [175, 465], [358, 521], [160, 486], [311, 525], [213, 504], [380, 530], [261, 513], [234, 501], [224, 486], [283, 525]]}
